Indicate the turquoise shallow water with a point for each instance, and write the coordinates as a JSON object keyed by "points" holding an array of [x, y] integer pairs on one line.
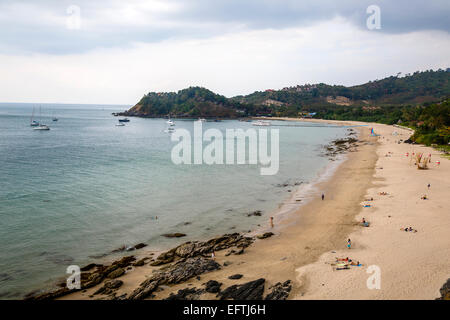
{"points": [[87, 187]]}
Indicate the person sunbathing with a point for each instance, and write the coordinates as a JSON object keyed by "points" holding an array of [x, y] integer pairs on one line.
{"points": [[344, 259], [424, 197], [410, 229]]}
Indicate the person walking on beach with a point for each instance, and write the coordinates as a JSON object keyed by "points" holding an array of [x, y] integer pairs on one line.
{"points": [[271, 222], [323, 196], [429, 185], [349, 243]]}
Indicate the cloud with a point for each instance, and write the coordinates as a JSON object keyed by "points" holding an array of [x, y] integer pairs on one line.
{"points": [[28, 26], [334, 51]]}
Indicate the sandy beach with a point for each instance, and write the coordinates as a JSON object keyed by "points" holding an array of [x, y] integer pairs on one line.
{"points": [[306, 242]]}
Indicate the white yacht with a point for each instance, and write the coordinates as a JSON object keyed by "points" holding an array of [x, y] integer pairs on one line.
{"points": [[41, 127], [261, 123]]}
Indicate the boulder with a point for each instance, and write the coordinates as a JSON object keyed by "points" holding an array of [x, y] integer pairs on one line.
{"points": [[280, 291], [252, 290], [445, 291], [139, 246], [90, 266], [174, 235], [179, 272], [265, 235], [186, 294], [235, 276], [140, 262], [109, 287], [212, 286], [116, 273]]}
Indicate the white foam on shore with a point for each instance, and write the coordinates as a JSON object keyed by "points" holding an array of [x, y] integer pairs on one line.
{"points": [[305, 192]]}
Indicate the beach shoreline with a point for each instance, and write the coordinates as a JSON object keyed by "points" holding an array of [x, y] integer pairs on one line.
{"points": [[286, 230], [305, 241]]}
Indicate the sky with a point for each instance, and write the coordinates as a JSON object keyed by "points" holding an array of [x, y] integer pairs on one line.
{"points": [[113, 51]]}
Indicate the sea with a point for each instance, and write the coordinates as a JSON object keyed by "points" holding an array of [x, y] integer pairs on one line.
{"points": [[74, 193]]}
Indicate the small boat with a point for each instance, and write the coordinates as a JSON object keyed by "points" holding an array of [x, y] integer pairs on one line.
{"points": [[37, 125], [201, 120], [33, 123], [42, 127], [55, 119], [261, 123], [124, 120], [170, 123]]}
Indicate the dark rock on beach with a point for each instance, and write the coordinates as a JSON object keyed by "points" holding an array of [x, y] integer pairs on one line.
{"points": [[90, 266], [109, 286], [116, 273], [235, 276], [212, 286], [265, 235], [256, 213], [203, 248], [280, 291], [140, 262], [445, 291], [139, 246], [174, 235], [186, 294], [252, 290], [177, 273]]}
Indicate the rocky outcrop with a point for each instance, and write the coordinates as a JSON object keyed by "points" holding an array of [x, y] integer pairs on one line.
{"points": [[109, 287], [186, 294], [252, 290], [280, 291], [116, 273], [445, 291], [212, 286], [203, 248], [179, 272], [174, 235], [265, 235]]}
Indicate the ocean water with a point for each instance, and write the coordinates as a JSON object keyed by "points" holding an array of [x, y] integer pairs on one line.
{"points": [[86, 187]]}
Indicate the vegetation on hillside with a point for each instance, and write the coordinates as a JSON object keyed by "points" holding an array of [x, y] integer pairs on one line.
{"points": [[418, 100]]}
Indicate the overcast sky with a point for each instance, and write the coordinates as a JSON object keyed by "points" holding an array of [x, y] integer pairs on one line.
{"points": [[116, 51]]}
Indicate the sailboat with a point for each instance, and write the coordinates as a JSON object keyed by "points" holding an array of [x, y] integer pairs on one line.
{"points": [[33, 123], [41, 126], [170, 122], [54, 118]]}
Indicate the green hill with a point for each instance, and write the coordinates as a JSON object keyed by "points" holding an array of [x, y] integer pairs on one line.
{"points": [[190, 102], [361, 102]]}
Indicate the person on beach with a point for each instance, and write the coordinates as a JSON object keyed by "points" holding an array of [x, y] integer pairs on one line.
{"points": [[429, 185], [271, 222], [349, 243], [213, 255], [323, 196]]}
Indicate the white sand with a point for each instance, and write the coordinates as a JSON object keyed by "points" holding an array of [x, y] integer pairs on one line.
{"points": [[412, 265]]}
